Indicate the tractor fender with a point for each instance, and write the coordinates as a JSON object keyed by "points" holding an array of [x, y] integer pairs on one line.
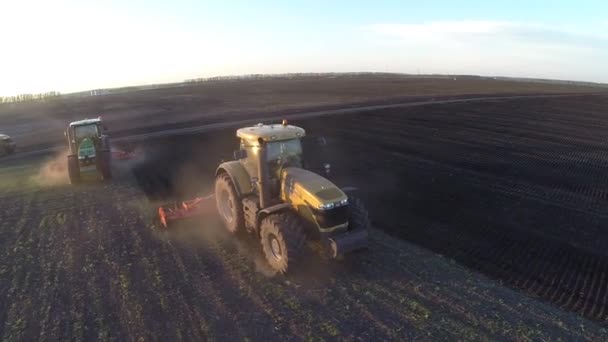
{"points": [[350, 190], [238, 175], [270, 210], [105, 143]]}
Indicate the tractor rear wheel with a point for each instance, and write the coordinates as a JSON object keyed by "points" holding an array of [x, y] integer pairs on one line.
{"points": [[282, 237], [228, 204], [73, 169], [104, 164]]}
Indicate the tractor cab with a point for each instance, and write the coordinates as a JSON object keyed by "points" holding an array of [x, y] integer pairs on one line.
{"points": [[85, 137], [283, 147]]}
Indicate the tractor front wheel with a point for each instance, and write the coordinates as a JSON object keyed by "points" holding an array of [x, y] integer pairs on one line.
{"points": [[358, 217], [73, 169], [282, 237], [228, 204]]}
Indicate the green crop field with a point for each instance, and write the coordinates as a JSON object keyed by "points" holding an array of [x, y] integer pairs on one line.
{"points": [[88, 263]]}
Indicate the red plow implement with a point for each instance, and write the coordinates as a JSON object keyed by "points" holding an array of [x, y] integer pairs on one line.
{"points": [[168, 214], [123, 155]]}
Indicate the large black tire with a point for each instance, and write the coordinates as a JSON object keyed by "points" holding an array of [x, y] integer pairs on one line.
{"points": [[358, 217], [228, 204], [282, 237], [104, 164], [73, 169]]}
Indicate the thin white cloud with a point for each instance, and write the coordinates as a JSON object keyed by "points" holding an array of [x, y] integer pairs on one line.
{"points": [[438, 29], [474, 30], [496, 47]]}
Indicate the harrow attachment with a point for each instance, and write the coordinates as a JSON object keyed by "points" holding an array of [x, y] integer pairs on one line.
{"points": [[177, 211], [123, 155]]}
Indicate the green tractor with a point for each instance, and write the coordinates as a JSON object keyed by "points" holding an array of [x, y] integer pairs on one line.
{"points": [[88, 146], [7, 146], [268, 191]]}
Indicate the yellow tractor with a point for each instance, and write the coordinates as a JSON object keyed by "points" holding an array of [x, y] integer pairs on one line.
{"points": [[267, 191]]}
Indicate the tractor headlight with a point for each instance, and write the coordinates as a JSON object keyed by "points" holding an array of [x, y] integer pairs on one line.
{"points": [[333, 205], [326, 206]]}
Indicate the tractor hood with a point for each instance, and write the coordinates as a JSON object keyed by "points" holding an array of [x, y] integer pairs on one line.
{"points": [[301, 186]]}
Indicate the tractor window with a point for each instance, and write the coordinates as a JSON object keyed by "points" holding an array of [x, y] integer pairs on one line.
{"points": [[283, 149], [85, 131]]}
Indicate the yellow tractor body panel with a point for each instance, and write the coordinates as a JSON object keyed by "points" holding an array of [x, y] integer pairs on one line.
{"points": [[270, 132], [307, 192], [238, 175]]}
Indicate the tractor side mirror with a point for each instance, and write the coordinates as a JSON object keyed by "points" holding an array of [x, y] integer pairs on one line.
{"points": [[327, 168], [240, 154], [314, 142]]}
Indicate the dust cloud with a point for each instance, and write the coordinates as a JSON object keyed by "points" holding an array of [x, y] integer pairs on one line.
{"points": [[189, 180], [206, 232], [125, 158], [182, 169], [53, 172]]}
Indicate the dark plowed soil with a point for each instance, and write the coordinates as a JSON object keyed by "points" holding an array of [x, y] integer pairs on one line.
{"points": [[514, 189]]}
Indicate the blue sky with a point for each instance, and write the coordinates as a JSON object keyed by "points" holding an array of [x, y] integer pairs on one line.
{"points": [[70, 45]]}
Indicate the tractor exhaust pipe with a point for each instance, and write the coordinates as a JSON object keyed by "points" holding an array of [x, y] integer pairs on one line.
{"points": [[263, 177]]}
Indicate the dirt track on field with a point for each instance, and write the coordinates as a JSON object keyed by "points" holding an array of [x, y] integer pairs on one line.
{"points": [[38, 124]]}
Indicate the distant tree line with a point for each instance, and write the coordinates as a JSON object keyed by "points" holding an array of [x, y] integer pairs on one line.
{"points": [[29, 97], [290, 76], [382, 74], [97, 92]]}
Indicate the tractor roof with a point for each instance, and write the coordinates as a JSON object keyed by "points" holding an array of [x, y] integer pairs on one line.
{"points": [[85, 122], [271, 132]]}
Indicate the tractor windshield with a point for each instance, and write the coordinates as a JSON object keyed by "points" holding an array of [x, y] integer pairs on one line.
{"points": [[285, 150], [85, 131]]}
